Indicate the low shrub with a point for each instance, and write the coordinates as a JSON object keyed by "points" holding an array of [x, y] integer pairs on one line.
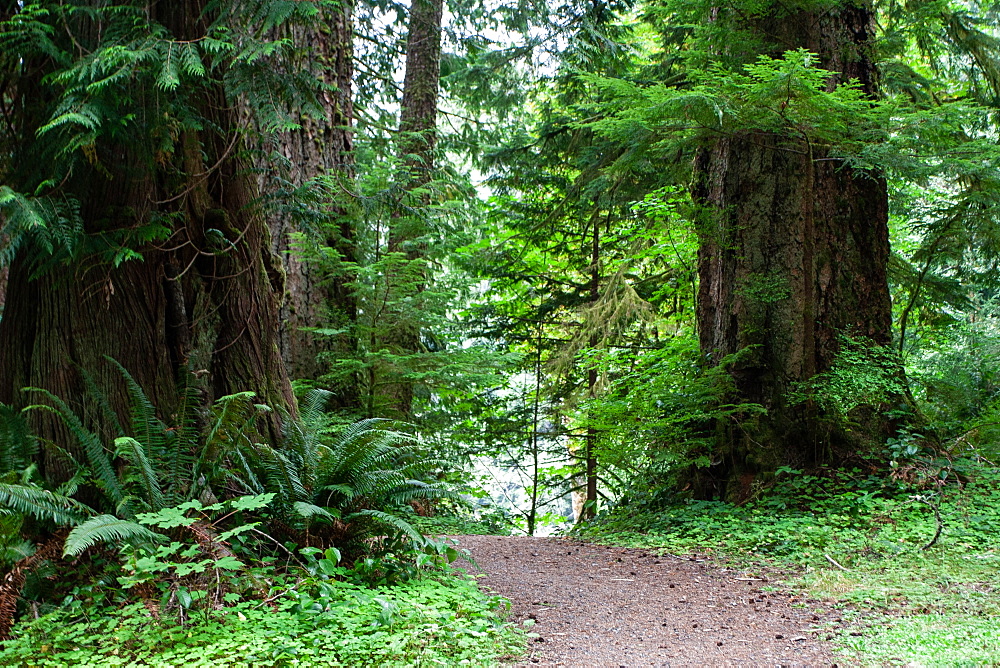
{"points": [[316, 621]]}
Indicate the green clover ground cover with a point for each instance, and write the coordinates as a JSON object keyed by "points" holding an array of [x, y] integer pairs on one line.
{"points": [[431, 621]]}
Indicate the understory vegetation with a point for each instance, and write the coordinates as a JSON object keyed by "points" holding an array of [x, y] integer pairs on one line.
{"points": [[311, 620], [311, 560]]}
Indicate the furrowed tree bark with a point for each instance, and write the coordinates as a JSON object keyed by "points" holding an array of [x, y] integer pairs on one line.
{"points": [[793, 257], [313, 296], [4, 271], [418, 140], [198, 308]]}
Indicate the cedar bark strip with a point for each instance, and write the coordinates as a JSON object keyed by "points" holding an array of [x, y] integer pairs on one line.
{"points": [[189, 305], [794, 255]]}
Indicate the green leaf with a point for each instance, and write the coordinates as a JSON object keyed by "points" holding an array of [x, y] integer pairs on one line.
{"points": [[106, 529], [229, 564], [252, 502], [226, 535]]}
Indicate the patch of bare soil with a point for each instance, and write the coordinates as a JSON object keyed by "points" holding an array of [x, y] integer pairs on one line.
{"points": [[604, 606]]}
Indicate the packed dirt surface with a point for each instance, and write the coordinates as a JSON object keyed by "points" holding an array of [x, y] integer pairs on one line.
{"points": [[607, 606]]}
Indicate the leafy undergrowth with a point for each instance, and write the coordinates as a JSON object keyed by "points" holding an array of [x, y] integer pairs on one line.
{"points": [[443, 620], [448, 525], [865, 543]]}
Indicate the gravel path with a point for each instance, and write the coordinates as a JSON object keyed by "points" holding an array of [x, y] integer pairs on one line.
{"points": [[602, 606]]}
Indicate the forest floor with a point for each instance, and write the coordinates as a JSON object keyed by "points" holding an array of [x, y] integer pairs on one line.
{"points": [[593, 605]]}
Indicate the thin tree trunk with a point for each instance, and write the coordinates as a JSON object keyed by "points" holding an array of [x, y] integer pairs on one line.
{"points": [[418, 132], [590, 455], [795, 256], [535, 465]]}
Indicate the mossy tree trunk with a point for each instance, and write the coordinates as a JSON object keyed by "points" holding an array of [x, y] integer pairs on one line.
{"points": [[794, 255], [198, 307]]}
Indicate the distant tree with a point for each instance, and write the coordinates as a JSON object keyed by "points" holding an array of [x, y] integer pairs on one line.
{"points": [[417, 141]]}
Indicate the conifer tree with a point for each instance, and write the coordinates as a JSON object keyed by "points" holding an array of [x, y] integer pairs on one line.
{"points": [[417, 142], [130, 213], [314, 169], [794, 253]]}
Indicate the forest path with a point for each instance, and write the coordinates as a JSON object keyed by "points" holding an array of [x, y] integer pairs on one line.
{"points": [[609, 606]]}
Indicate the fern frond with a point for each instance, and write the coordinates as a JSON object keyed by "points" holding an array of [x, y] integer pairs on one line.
{"points": [[420, 467], [246, 478], [71, 486], [309, 511], [233, 418], [376, 484], [106, 529], [414, 489], [190, 458], [388, 520], [283, 475], [100, 398], [313, 413], [148, 429], [43, 504], [130, 506], [91, 443], [135, 453], [17, 443], [346, 490]]}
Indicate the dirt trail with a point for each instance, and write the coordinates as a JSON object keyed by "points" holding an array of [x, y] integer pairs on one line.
{"points": [[600, 606]]}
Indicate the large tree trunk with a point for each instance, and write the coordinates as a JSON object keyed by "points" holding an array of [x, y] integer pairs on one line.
{"points": [[313, 297], [196, 309], [418, 132], [793, 257]]}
